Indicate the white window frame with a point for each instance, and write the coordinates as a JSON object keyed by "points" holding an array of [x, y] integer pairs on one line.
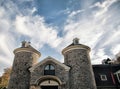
{"points": [[118, 76], [103, 77]]}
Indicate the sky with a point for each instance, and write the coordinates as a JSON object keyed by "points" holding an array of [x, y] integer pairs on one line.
{"points": [[51, 25]]}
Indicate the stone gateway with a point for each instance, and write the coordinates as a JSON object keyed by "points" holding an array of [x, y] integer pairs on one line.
{"points": [[75, 73]]}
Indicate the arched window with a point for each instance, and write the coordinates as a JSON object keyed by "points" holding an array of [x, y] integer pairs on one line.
{"points": [[49, 70]]}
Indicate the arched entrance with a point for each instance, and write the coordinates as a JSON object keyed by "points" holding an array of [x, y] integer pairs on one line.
{"points": [[49, 87], [49, 82]]}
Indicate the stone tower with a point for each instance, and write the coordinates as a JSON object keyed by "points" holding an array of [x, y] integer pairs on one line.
{"points": [[77, 57], [24, 58]]}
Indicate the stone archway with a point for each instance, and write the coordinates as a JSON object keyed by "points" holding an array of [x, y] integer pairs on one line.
{"points": [[49, 82]]}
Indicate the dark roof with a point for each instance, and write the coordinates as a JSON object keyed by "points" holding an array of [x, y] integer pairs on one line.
{"points": [[109, 71], [78, 45]]}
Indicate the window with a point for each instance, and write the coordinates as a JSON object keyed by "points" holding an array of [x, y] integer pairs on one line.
{"points": [[49, 70], [103, 77]]}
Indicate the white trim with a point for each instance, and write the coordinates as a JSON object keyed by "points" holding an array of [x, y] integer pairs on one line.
{"points": [[27, 50], [118, 77], [49, 59], [117, 72], [46, 77], [75, 47], [105, 77], [49, 83]]}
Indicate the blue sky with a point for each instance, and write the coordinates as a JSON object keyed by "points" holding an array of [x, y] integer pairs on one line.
{"points": [[50, 25]]}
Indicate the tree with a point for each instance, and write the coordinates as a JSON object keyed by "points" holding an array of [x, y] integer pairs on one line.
{"points": [[5, 78]]}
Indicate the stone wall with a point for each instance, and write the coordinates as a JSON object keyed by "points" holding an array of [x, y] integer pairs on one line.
{"points": [[20, 75], [81, 73], [59, 72]]}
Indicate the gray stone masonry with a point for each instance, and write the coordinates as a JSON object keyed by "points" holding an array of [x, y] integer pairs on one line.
{"points": [[20, 75], [59, 72], [23, 60], [81, 73], [76, 56]]}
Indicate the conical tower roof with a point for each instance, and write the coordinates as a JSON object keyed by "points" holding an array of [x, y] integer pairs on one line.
{"points": [[27, 48], [75, 45]]}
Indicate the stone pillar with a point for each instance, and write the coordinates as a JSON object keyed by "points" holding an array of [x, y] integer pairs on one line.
{"points": [[25, 57], [81, 74]]}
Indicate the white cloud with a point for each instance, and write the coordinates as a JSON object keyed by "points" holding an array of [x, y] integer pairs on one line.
{"points": [[95, 30], [6, 39], [36, 29], [75, 13], [6, 47], [21, 26], [10, 30], [114, 35], [33, 10], [103, 7], [115, 49], [97, 57], [104, 4], [3, 45]]}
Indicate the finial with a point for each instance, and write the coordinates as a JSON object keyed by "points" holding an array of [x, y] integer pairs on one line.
{"points": [[76, 40], [25, 44]]}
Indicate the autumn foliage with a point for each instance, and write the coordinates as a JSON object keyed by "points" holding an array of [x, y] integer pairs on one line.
{"points": [[5, 78]]}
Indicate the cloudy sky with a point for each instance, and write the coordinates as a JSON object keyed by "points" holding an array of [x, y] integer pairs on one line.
{"points": [[50, 25]]}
